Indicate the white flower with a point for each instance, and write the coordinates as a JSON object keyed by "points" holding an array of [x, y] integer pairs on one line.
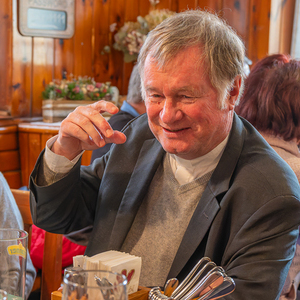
{"points": [[112, 27], [154, 2]]}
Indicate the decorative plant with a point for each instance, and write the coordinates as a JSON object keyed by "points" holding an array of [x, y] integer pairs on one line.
{"points": [[131, 36], [81, 88]]}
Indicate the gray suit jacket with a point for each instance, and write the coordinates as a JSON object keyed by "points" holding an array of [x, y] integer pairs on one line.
{"points": [[246, 221]]}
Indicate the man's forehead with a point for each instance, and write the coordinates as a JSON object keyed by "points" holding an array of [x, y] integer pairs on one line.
{"points": [[168, 63], [173, 67]]}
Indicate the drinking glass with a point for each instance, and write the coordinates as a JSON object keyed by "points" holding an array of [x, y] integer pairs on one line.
{"points": [[3, 295], [72, 270], [13, 256], [95, 285]]}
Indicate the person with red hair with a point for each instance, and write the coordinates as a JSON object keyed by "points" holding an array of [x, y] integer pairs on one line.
{"points": [[271, 103]]}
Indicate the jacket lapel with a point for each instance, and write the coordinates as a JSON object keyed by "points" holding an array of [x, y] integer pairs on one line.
{"points": [[149, 158]]}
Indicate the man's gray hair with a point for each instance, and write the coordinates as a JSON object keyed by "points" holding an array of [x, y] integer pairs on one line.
{"points": [[134, 87], [223, 50]]}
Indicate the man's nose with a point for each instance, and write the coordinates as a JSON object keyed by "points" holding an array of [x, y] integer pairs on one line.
{"points": [[170, 111]]}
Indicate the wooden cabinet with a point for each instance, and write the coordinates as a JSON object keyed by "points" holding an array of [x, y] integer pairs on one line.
{"points": [[9, 155], [32, 139]]}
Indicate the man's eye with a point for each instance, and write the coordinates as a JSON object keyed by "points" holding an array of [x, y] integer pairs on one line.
{"points": [[155, 97], [186, 98]]}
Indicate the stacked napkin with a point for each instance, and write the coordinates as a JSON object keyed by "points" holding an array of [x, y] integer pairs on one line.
{"points": [[114, 261]]}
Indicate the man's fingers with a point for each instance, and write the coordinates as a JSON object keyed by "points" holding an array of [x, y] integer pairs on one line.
{"points": [[105, 106], [93, 123], [89, 126], [86, 129], [117, 138]]}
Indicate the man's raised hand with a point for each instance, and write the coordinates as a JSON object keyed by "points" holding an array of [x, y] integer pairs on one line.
{"points": [[86, 129]]}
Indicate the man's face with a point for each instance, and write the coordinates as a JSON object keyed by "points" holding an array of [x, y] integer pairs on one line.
{"points": [[182, 106]]}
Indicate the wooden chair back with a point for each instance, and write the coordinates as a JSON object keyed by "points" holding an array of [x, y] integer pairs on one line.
{"points": [[51, 275]]}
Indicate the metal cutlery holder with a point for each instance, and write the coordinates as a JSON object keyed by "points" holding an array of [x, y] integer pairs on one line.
{"points": [[206, 281], [156, 294]]}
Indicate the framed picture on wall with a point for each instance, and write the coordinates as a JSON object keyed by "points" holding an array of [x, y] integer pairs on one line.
{"points": [[46, 18]]}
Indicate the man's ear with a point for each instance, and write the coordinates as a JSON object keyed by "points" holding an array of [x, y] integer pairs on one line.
{"points": [[234, 91]]}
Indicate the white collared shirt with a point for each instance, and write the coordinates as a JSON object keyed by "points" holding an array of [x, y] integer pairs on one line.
{"points": [[186, 171], [58, 163]]}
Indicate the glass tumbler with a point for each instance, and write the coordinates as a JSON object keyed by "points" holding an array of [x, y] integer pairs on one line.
{"points": [[3, 295], [13, 256], [94, 284]]}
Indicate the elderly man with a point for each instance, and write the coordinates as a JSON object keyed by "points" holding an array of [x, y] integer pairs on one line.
{"points": [[192, 178]]}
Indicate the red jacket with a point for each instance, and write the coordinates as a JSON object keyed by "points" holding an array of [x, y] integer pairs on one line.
{"points": [[69, 249]]}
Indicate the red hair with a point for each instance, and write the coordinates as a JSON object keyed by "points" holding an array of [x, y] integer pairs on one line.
{"points": [[271, 101]]}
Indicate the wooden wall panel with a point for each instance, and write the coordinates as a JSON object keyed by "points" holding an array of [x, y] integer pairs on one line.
{"points": [[173, 5], [259, 27], [43, 53], [211, 5], [236, 13], [8, 138], [21, 97], [131, 12], [5, 54], [9, 155], [144, 6], [102, 37], [164, 4], [35, 147], [31, 63], [9, 160], [24, 153], [13, 178], [116, 62], [188, 4], [63, 58], [83, 59]]}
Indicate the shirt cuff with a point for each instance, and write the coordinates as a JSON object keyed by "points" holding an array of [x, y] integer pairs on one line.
{"points": [[58, 163]]}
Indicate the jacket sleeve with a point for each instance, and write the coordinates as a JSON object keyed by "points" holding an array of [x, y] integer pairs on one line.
{"points": [[261, 251], [69, 204]]}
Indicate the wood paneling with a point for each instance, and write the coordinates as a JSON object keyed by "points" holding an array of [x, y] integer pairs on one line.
{"points": [[188, 4], [5, 55], [258, 30], [9, 160], [9, 154], [13, 178], [211, 5], [28, 64], [43, 53], [8, 138], [21, 88]]}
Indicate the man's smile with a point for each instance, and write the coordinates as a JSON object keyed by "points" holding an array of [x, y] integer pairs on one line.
{"points": [[174, 130]]}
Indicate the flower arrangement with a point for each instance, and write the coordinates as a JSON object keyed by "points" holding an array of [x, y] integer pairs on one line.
{"points": [[131, 36], [81, 88]]}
